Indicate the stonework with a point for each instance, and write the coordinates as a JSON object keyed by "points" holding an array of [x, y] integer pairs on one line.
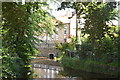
{"points": [[62, 34], [46, 49], [44, 52]]}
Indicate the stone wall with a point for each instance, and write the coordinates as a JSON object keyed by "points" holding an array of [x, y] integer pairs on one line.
{"points": [[45, 50]]}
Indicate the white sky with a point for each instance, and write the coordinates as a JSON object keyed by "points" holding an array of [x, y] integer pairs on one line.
{"points": [[62, 12], [56, 13], [54, 7]]}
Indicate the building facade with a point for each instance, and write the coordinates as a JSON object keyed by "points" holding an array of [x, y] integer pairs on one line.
{"points": [[62, 33]]}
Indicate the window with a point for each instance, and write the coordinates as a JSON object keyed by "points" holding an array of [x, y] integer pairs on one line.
{"points": [[57, 32], [65, 29]]}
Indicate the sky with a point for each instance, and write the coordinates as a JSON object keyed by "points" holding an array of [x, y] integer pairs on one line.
{"points": [[62, 12], [56, 13]]}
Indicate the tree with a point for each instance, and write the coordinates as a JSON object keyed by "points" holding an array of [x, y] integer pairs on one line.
{"points": [[79, 9], [98, 24], [20, 30], [98, 19]]}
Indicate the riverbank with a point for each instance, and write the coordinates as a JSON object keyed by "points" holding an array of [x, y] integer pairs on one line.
{"points": [[76, 64]]}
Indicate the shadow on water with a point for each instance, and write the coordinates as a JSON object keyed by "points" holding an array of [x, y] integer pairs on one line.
{"points": [[88, 75]]}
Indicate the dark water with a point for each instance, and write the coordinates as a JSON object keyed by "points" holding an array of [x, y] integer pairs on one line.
{"points": [[88, 75], [48, 72]]}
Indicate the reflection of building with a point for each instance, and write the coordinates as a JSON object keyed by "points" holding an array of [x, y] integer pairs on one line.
{"points": [[65, 27]]}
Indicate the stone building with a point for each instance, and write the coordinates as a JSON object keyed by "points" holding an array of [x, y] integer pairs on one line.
{"points": [[68, 28]]}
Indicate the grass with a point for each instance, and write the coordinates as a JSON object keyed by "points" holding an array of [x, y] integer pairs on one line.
{"points": [[91, 66]]}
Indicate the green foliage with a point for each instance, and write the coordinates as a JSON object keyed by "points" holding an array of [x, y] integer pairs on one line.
{"points": [[108, 51], [100, 37], [97, 19], [66, 46], [86, 50], [101, 33], [59, 46], [88, 65], [78, 6], [98, 25], [20, 30]]}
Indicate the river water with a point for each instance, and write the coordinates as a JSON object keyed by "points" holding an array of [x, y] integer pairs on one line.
{"points": [[49, 71]]}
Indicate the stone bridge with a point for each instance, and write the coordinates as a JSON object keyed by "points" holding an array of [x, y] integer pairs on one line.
{"points": [[46, 49]]}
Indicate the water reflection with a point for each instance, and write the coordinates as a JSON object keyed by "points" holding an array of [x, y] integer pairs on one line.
{"points": [[47, 71]]}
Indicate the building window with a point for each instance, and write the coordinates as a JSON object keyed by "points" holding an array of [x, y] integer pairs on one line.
{"points": [[57, 33], [65, 29], [56, 36], [57, 30]]}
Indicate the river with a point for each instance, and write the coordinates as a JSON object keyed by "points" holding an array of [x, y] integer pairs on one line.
{"points": [[47, 71]]}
